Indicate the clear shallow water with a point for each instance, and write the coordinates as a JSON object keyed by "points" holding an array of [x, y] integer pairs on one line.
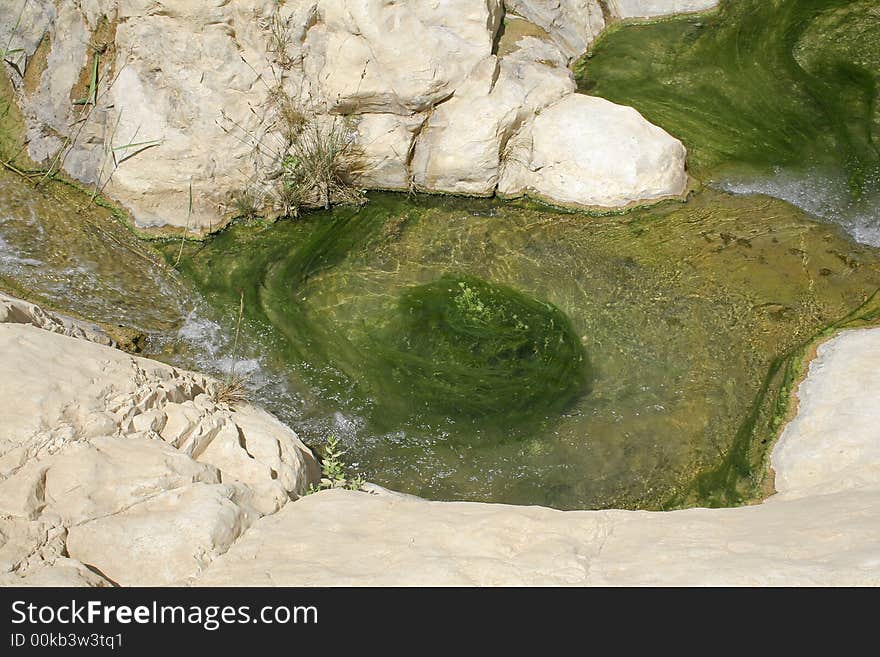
{"points": [[691, 316], [822, 195], [58, 249], [684, 311]]}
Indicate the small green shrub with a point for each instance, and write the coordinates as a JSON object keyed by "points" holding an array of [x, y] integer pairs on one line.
{"points": [[333, 470]]}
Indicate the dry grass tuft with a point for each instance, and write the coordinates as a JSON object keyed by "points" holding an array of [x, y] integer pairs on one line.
{"points": [[232, 391]]}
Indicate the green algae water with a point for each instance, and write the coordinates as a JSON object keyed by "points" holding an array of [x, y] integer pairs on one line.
{"points": [[760, 83], [485, 354], [769, 96], [480, 350]]}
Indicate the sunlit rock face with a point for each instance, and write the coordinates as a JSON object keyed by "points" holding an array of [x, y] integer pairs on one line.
{"points": [[607, 156], [171, 107], [136, 468]]}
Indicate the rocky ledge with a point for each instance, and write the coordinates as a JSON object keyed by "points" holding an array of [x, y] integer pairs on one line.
{"points": [[119, 470], [173, 104]]}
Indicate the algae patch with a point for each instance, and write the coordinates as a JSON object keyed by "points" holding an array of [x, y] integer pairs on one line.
{"points": [[689, 314], [466, 349]]}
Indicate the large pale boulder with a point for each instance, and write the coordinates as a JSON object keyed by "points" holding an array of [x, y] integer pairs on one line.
{"points": [[344, 538], [128, 466], [462, 144], [585, 151], [172, 96]]}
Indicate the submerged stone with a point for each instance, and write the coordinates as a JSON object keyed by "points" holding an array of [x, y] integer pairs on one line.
{"points": [[470, 350]]}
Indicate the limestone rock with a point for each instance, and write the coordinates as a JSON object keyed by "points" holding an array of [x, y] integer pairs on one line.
{"points": [[174, 96], [833, 444], [163, 540], [106, 458], [456, 153], [572, 24], [651, 8], [584, 151], [402, 58], [16, 311], [62, 572], [26, 544], [107, 475], [90, 496], [386, 142], [345, 538], [186, 112]]}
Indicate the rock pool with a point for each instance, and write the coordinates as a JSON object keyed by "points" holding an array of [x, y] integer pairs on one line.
{"points": [[690, 321]]}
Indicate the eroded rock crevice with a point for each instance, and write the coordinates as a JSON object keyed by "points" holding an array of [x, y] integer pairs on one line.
{"points": [[127, 465]]}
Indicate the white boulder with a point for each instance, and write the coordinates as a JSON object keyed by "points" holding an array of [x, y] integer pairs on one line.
{"points": [[585, 151], [461, 147]]}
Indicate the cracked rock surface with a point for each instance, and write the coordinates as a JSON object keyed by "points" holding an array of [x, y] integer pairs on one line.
{"points": [[428, 93], [117, 469]]}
